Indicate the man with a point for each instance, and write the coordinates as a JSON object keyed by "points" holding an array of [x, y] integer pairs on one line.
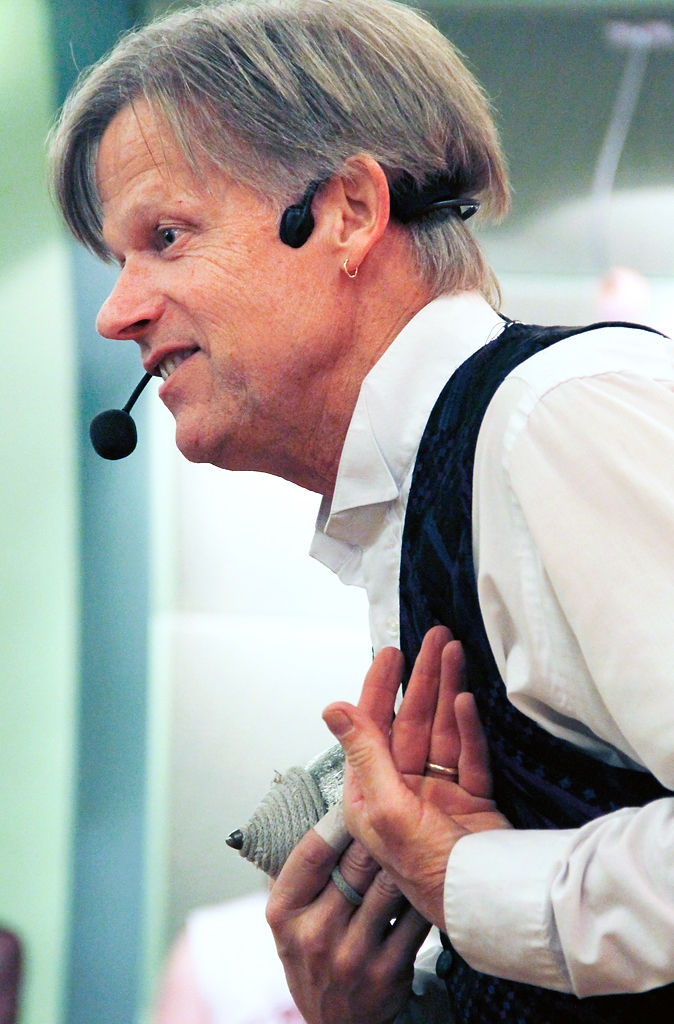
{"points": [[285, 187]]}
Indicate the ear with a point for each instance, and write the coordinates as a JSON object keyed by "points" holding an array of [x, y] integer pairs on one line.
{"points": [[356, 208]]}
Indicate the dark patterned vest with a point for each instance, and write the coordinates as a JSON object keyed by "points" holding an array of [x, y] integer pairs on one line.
{"points": [[540, 781]]}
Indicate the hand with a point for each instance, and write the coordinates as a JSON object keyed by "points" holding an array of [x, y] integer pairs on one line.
{"points": [[343, 963], [346, 963], [410, 822]]}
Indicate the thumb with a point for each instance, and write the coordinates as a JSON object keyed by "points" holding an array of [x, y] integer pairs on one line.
{"points": [[377, 802], [366, 750]]}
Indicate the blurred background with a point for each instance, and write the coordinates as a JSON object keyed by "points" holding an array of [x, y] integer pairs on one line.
{"points": [[166, 642]]}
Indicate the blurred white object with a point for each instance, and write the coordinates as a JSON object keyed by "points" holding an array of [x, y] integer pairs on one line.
{"points": [[224, 969], [624, 294]]}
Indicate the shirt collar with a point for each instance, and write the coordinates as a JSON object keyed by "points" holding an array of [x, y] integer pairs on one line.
{"points": [[396, 399]]}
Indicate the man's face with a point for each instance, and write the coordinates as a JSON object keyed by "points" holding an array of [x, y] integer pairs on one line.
{"points": [[250, 336]]}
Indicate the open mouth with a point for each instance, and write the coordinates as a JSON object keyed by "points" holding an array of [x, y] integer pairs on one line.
{"points": [[169, 364]]}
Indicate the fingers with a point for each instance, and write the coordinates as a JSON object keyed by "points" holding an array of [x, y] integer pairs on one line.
{"points": [[381, 685], [353, 964], [387, 914], [411, 732], [408, 933], [474, 770], [425, 727], [445, 742], [437, 722], [357, 869], [409, 823], [305, 874], [306, 884], [383, 915]]}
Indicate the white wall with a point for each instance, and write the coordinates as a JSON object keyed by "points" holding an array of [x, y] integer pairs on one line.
{"points": [[251, 639]]}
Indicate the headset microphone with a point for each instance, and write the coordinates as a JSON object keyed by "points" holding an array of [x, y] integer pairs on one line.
{"points": [[410, 201], [113, 432]]}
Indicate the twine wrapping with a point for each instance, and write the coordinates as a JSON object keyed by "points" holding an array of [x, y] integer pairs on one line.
{"points": [[295, 803]]}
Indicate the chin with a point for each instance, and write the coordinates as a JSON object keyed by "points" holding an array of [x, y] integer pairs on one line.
{"points": [[193, 445], [198, 447]]}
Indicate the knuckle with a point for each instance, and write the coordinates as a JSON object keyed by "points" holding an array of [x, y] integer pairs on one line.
{"points": [[361, 755], [312, 851], [275, 914], [314, 942], [356, 859], [348, 964], [302, 940], [386, 888]]}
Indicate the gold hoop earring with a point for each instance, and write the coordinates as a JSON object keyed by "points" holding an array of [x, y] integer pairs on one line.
{"points": [[346, 269]]}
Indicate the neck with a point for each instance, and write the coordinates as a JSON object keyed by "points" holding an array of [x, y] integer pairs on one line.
{"points": [[376, 324], [367, 313]]}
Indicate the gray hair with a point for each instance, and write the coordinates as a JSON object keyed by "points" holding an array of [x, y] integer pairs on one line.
{"points": [[278, 93]]}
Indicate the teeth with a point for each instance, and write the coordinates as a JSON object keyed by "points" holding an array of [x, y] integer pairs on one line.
{"points": [[171, 363]]}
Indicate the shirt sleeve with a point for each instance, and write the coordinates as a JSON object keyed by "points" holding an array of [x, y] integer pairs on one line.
{"points": [[588, 911], [574, 537]]}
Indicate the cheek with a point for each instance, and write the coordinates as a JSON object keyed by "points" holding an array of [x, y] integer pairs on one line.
{"points": [[267, 318], [238, 303]]}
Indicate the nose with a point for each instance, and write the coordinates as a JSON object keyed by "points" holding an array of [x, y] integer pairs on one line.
{"points": [[131, 308]]}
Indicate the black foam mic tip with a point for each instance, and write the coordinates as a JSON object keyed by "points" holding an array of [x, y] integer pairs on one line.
{"points": [[113, 434]]}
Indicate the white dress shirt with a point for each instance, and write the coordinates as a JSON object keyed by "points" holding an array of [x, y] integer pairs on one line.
{"points": [[573, 524]]}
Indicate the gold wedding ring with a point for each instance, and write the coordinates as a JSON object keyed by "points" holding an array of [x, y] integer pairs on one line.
{"points": [[439, 769]]}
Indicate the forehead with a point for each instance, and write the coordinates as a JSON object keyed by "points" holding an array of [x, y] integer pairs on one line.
{"points": [[139, 155]]}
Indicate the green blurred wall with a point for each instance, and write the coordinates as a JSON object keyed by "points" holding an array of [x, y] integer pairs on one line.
{"points": [[38, 574]]}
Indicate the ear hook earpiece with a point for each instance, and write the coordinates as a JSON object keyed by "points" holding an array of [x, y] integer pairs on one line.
{"points": [[297, 221]]}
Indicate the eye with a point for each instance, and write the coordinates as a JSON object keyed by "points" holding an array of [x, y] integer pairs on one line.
{"points": [[167, 236]]}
